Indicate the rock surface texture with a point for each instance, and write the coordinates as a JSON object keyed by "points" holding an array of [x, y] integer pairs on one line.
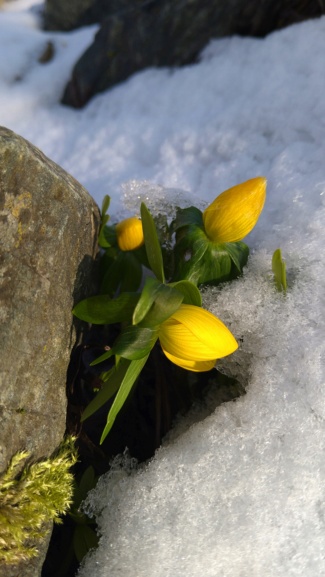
{"points": [[48, 241], [256, 16], [63, 15], [135, 34]]}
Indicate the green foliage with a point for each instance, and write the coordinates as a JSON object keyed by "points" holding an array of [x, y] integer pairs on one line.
{"points": [[192, 259], [146, 300], [200, 260], [279, 270], [191, 294], [186, 217], [102, 309], [102, 240], [133, 369], [31, 496], [157, 303], [123, 272], [112, 382], [152, 244], [135, 342], [84, 539]]}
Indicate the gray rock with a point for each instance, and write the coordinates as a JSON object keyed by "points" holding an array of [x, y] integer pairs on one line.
{"points": [[169, 33], [63, 15], [48, 241]]}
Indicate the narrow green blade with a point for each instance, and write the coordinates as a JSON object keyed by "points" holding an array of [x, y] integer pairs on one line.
{"points": [[279, 270], [152, 244], [146, 299], [108, 389], [132, 373]]}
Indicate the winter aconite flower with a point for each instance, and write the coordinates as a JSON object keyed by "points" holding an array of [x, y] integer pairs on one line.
{"points": [[194, 338], [129, 233], [234, 213]]}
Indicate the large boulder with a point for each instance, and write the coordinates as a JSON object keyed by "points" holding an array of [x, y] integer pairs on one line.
{"points": [[48, 242], [135, 35], [63, 15]]}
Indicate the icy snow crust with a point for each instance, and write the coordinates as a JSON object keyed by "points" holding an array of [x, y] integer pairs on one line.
{"points": [[240, 492]]}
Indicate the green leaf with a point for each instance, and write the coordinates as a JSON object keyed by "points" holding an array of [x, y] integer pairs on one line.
{"points": [[187, 216], [135, 342], [157, 303], [131, 374], [152, 244], [166, 301], [86, 483], [84, 539], [105, 204], [102, 310], [108, 389], [190, 261], [147, 297], [132, 273], [107, 235], [103, 357], [102, 241], [201, 261], [238, 252], [279, 270], [191, 293], [124, 273], [112, 277], [104, 376]]}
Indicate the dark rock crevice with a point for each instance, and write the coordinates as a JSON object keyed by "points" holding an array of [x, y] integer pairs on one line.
{"points": [[135, 35]]}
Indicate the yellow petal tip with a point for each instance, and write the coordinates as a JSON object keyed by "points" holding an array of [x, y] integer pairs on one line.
{"points": [[234, 213]]}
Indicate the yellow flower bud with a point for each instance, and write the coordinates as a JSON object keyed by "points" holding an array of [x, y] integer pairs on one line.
{"points": [[234, 213], [193, 338], [129, 233]]}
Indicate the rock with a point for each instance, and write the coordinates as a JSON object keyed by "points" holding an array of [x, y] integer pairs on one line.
{"points": [[63, 15], [48, 241], [169, 33]]}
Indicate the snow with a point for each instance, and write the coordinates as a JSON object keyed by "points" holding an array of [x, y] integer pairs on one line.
{"points": [[236, 491]]}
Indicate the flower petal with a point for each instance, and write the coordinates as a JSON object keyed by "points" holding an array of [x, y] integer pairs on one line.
{"points": [[234, 213], [195, 366], [129, 233], [192, 333]]}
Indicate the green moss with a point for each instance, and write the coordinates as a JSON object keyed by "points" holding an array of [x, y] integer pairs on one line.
{"points": [[32, 495]]}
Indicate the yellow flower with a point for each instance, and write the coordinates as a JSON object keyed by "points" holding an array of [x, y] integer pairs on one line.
{"points": [[129, 233], [194, 339], [234, 213]]}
